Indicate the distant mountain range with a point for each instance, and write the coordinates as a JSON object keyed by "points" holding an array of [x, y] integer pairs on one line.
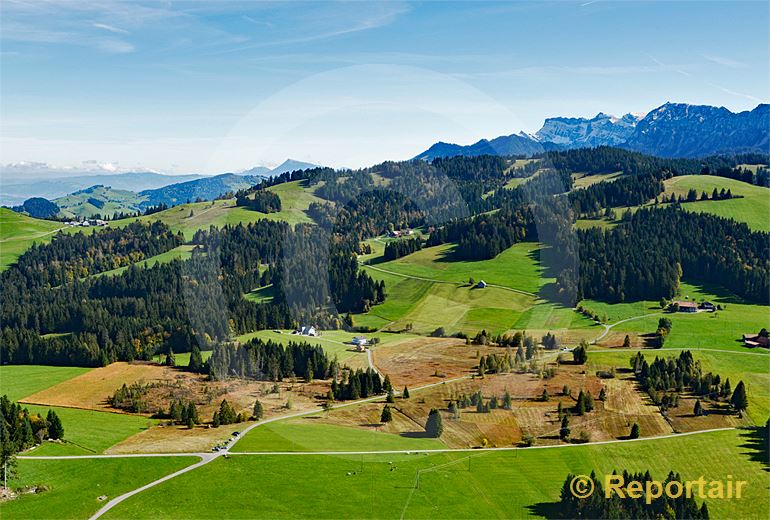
{"points": [[671, 130], [21, 182]]}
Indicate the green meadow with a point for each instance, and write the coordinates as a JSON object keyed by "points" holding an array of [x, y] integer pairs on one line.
{"points": [[18, 232], [18, 381], [182, 252], [515, 484], [722, 329], [74, 486], [306, 434]]}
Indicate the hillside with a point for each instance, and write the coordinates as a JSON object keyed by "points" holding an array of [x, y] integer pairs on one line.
{"points": [[753, 206], [18, 232], [207, 188], [99, 200]]}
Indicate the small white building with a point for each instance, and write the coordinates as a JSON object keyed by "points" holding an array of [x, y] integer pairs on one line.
{"points": [[306, 331], [360, 343]]}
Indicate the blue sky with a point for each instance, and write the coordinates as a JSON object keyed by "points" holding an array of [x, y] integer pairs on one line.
{"points": [[220, 86]]}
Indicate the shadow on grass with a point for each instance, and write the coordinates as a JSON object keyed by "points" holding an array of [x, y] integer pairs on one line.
{"points": [[415, 435], [546, 509], [757, 446]]}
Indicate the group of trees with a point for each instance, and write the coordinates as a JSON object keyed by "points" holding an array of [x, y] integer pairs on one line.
{"points": [[21, 430], [270, 361], [181, 413], [599, 505], [398, 248], [131, 398], [665, 378], [226, 415], [258, 200], [357, 384]]}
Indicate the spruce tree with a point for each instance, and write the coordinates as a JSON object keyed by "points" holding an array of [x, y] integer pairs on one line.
{"points": [[740, 400], [405, 393], [564, 430], [192, 413], [434, 426], [196, 360], [386, 415], [55, 427], [390, 398], [635, 431], [258, 411], [698, 410]]}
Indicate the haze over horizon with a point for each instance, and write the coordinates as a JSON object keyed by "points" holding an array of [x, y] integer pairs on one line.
{"points": [[191, 88]]}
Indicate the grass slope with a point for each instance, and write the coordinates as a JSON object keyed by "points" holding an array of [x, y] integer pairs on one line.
{"points": [[304, 435], [719, 330], [189, 218], [515, 484], [182, 252], [18, 232], [18, 381], [75, 485], [80, 203], [753, 208]]}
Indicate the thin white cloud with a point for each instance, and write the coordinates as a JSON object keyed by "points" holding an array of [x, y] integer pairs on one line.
{"points": [[110, 28], [736, 93], [725, 62]]}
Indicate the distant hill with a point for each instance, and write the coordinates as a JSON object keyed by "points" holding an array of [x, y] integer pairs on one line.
{"points": [[99, 200], [38, 207], [17, 189], [289, 165], [671, 130], [207, 188], [515, 144]]}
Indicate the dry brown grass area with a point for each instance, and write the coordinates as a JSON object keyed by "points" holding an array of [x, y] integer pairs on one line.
{"points": [[417, 361], [718, 415], [91, 390]]}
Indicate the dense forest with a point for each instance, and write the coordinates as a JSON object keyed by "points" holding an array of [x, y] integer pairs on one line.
{"points": [[135, 314], [648, 253], [398, 248]]}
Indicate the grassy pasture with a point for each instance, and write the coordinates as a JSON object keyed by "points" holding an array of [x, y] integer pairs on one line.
{"points": [[515, 484], [753, 208], [75, 485], [18, 232], [18, 381], [517, 267], [90, 431], [306, 435], [717, 330], [580, 180]]}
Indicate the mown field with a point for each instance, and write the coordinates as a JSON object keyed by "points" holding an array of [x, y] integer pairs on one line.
{"points": [[85, 431], [522, 483], [307, 435], [18, 232], [74, 486]]}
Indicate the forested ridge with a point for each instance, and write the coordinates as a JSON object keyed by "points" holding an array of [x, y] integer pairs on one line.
{"points": [[55, 312]]}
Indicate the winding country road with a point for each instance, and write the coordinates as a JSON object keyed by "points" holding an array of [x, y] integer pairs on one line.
{"points": [[607, 328]]}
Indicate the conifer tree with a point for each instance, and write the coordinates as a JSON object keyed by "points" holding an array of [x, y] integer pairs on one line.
{"points": [[434, 426], [740, 400], [405, 393], [698, 409], [386, 415], [564, 430], [635, 431], [258, 410], [55, 427]]}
